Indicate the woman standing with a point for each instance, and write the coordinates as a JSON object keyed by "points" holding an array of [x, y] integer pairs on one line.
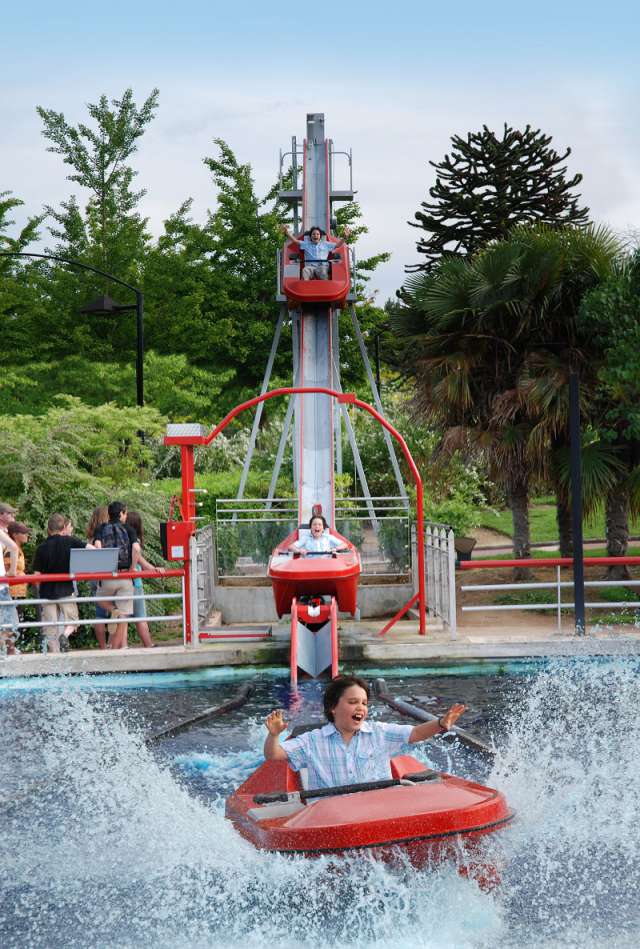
{"points": [[100, 516], [134, 520]]}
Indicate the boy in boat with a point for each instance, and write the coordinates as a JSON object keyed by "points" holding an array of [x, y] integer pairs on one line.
{"points": [[316, 252], [348, 750], [317, 541]]}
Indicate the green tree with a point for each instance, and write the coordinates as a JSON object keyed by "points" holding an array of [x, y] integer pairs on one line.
{"points": [[610, 316], [19, 300], [488, 185], [491, 341], [210, 289], [108, 232], [98, 156]]}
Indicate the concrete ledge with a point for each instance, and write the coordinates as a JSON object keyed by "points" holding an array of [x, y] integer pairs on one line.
{"points": [[360, 645]]}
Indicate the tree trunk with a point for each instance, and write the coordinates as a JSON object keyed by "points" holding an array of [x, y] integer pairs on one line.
{"points": [[617, 527], [518, 496], [565, 531]]}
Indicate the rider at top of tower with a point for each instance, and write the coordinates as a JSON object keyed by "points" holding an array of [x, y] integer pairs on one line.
{"points": [[316, 251]]}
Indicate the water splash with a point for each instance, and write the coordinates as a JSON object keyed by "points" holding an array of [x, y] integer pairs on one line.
{"points": [[110, 850], [571, 769], [106, 843]]}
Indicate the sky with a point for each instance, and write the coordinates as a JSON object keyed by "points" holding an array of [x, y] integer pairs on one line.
{"points": [[395, 81]]}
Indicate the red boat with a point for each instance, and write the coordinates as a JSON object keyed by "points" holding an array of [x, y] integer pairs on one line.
{"points": [[314, 575], [426, 813], [334, 290]]}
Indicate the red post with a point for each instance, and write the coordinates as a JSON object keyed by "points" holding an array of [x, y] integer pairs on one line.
{"points": [[294, 643], [334, 637], [189, 513]]}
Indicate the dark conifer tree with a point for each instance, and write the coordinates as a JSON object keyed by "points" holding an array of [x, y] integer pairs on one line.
{"points": [[488, 185]]}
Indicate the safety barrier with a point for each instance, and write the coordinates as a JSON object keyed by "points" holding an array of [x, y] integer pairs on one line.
{"points": [[558, 584], [440, 557], [36, 579], [256, 525]]}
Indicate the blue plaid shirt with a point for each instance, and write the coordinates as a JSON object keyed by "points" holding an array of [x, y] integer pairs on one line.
{"points": [[316, 252], [332, 763]]}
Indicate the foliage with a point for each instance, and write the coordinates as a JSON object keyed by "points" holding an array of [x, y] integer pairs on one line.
{"points": [[98, 157], [75, 457], [488, 185]]}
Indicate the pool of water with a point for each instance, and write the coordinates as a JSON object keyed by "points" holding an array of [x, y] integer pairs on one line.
{"points": [[106, 841]]}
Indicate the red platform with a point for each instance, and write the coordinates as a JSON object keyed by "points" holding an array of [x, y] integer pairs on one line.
{"points": [[424, 819], [327, 575]]}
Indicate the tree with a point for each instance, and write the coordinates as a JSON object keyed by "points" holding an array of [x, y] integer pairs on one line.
{"points": [[610, 316], [488, 185], [18, 301], [107, 232], [99, 157]]}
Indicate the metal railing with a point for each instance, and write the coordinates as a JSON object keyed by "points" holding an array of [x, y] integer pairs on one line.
{"points": [[205, 570], [36, 601], [247, 531], [558, 585], [440, 560]]}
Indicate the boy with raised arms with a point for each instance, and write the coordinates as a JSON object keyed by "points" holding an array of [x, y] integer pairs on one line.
{"points": [[349, 749]]}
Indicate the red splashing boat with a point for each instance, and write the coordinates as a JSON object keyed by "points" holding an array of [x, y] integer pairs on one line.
{"points": [[425, 813]]}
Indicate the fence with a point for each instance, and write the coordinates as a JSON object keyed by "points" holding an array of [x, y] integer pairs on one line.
{"points": [[440, 561], [36, 579], [205, 571], [558, 585], [247, 531]]}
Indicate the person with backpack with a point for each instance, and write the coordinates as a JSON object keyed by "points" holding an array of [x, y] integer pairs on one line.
{"points": [[116, 533]]}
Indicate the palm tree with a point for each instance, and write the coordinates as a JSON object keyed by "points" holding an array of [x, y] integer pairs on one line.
{"points": [[491, 341]]}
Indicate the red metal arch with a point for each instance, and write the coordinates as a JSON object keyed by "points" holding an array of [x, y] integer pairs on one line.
{"points": [[187, 443]]}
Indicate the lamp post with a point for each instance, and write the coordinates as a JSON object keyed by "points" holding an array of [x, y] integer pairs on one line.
{"points": [[104, 305]]}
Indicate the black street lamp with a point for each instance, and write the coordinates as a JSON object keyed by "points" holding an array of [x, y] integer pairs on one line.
{"points": [[104, 305]]}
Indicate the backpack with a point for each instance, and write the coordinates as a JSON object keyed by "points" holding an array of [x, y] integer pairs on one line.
{"points": [[115, 535]]}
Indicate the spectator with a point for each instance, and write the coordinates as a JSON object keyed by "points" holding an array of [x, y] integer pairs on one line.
{"points": [[99, 517], [117, 533], [7, 515], [134, 520], [8, 613], [52, 556], [19, 534]]}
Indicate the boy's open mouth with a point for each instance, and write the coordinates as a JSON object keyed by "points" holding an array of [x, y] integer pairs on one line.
{"points": [[358, 717]]}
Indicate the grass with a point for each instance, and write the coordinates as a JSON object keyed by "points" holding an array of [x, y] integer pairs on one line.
{"points": [[542, 520]]}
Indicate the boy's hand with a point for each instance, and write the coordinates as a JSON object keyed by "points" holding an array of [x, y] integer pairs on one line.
{"points": [[275, 722], [452, 715]]}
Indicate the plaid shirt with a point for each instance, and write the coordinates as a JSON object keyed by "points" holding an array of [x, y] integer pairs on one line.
{"points": [[331, 762]]}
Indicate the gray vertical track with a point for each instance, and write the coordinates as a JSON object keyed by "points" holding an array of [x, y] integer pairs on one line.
{"points": [[315, 417], [335, 354]]}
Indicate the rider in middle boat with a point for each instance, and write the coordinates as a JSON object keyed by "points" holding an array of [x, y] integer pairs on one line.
{"points": [[318, 540]]}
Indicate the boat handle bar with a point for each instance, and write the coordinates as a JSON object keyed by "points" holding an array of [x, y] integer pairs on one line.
{"points": [[284, 796]]}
